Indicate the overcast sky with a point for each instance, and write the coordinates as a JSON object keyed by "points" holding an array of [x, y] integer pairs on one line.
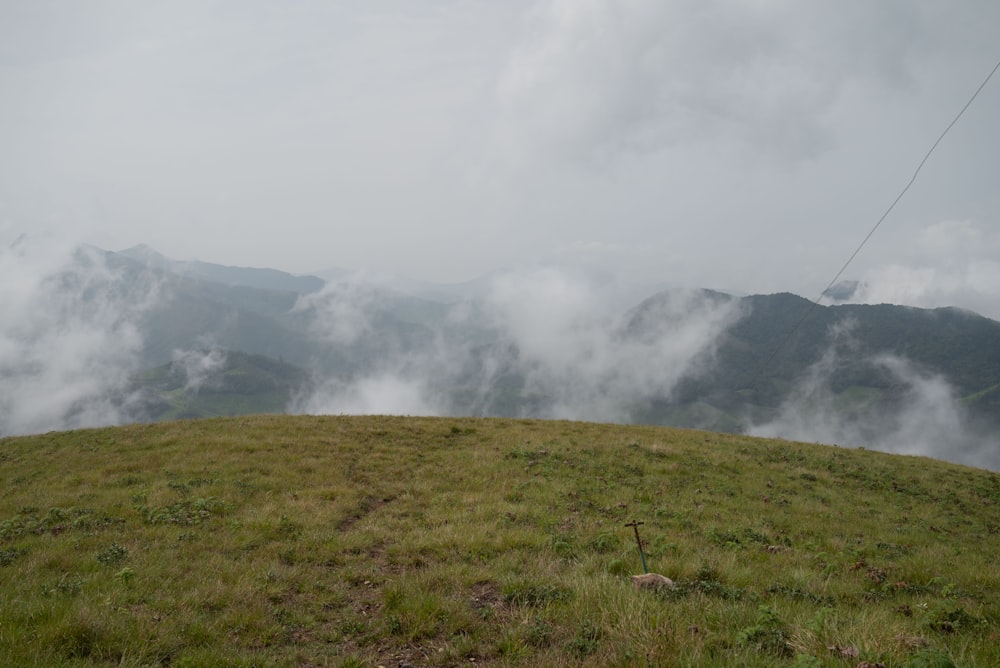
{"points": [[746, 145]]}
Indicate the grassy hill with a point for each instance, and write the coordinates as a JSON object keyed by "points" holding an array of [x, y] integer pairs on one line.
{"points": [[366, 541]]}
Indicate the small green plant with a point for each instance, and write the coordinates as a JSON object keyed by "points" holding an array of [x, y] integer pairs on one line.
{"points": [[394, 624], [619, 567], [685, 588], [8, 556], [795, 593], [112, 555], [185, 513], [539, 632], [738, 539], [562, 546], [66, 586], [606, 541], [510, 645], [534, 595], [950, 620], [818, 623], [125, 575], [768, 634], [179, 487], [586, 640]]}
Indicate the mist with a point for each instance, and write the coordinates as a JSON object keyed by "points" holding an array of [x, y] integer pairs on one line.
{"points": [[69, 338], [197, 366], [563, 339], [919, 413], [556, 343], [539, 341]]}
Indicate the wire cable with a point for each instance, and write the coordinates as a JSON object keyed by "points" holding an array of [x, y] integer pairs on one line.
{"points": [[812, 306]]}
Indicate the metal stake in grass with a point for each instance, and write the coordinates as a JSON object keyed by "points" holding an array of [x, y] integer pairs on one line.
{"points": [[638, 541]]}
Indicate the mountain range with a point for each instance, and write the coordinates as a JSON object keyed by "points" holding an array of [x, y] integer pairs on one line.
{"points": [[219, 340]]}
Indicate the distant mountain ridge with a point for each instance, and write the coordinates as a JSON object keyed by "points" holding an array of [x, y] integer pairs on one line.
{"points": [[346, 338], [763, 354], [250, 277]]}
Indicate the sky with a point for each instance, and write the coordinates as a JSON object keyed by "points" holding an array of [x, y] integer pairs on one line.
{"points": [[746, 146]]}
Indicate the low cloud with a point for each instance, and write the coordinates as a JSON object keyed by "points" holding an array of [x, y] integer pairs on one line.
{"points": [[338, 313], [918, 413], [197, 366], [69, 338], [589, 359], [949, 263], [380, 394], [543, 343]]}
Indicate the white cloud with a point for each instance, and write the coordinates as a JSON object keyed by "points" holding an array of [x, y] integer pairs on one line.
{"points": [[564, 334], [197, 365], [68, 337], [588, 358], [951, 238], [379, 394], [602, 76], [339, 312], [896, 284], [950, 263], [920, 416]]}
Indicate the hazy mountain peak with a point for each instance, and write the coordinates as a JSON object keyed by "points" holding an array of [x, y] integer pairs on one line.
{"points": [[148, 256], [261, 278]]}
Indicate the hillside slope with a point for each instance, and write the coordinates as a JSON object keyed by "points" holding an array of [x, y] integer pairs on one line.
{"points": [[215, 383], [773, 345], [356, 541]]}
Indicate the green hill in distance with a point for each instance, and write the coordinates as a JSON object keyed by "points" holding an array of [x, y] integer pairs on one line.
{"points": [[232, 383], [367, 541]]}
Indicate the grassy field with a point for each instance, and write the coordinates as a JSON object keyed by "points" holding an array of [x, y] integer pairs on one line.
{"points": [[374, 541]]}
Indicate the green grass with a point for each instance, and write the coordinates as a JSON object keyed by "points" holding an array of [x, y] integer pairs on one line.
{"points": [[365, 541]]}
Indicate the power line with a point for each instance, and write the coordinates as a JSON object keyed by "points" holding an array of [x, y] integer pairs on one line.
{"points": [[812, 306], [912, 179]]}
